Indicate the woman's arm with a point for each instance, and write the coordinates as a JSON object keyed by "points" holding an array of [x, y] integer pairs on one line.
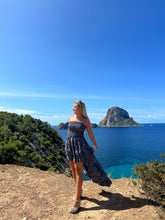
{"points": [[68, 125], [91, 135]]}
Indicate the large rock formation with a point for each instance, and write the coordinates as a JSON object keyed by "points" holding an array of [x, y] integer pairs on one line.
{"points": [[117, 117]]}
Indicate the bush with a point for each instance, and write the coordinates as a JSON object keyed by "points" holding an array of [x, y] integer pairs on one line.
{"points": [[152, 179], [8, 154], [42, 165]]}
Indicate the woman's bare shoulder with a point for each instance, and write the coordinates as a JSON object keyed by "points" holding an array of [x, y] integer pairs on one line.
{"points": [[71, 118]]}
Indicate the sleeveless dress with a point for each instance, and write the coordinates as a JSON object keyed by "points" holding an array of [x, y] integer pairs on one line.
{"points": [[78, 150]]}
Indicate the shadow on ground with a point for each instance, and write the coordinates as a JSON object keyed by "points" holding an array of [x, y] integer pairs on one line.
{"points": [[116, 201]]}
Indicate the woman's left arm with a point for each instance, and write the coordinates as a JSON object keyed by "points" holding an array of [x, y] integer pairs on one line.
{"points": [[91, 135]]}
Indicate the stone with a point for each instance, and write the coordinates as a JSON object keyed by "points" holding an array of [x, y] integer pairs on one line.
{"points": [[117, 117]]}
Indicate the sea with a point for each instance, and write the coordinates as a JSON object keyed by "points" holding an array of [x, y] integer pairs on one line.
{"points": [[121, 148]]}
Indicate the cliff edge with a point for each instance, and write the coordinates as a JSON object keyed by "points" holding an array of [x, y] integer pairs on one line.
{"points": [[33, 194]]}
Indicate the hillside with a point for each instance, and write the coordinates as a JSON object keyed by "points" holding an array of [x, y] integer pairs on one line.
{"points": [[32, 194], [117, 117], [30, 142]]}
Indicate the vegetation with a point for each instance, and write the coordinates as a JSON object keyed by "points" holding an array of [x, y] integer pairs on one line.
{"points": [[152, 179], [30, 142], [126, 122]]}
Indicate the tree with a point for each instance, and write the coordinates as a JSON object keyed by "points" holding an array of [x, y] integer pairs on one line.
{"points": [[8, 154]]}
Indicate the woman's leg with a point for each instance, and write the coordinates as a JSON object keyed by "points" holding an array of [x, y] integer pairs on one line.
{"points": [[79, 181], [73, 169]]}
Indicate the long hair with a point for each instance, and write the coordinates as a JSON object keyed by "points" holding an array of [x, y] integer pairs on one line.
{"points": [[83, 108]]}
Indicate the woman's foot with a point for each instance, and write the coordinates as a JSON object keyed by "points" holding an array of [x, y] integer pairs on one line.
{"points": [[75, 207]]}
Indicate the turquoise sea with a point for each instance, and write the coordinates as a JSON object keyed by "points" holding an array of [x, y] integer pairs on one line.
{"points": [[121, 148]]}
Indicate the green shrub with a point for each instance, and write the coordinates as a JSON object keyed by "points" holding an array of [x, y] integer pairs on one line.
{"points": [[34, 157], [41, 164], [152, 179], [8, 154], [51, 169]]}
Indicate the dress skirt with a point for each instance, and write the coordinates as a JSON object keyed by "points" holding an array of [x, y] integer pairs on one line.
{"points": [[78, 150]]}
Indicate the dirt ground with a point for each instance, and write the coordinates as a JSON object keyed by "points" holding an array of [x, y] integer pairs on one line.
{"points": [[32, 194]]}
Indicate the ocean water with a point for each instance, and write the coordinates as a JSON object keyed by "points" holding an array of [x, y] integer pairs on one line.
{"points": [[121, 148]]}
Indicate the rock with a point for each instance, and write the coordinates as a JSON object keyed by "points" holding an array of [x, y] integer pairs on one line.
{"points": [[62, 126], [117, 117], [94, 125]]}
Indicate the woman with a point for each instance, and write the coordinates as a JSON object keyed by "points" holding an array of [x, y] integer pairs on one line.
{"points": [[80, 154]]}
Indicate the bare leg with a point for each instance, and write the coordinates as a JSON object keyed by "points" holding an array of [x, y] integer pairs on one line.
{"points": [[73, 169], [79, 181]]}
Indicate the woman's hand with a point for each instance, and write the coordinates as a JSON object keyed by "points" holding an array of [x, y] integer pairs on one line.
{"points": [[95, 147]]}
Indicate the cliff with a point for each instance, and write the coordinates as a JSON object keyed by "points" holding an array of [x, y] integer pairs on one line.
{"points": [[29, 193], [117, 117]]}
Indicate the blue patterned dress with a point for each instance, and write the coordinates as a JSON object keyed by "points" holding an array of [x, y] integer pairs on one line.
{"points": [[78, 150]]}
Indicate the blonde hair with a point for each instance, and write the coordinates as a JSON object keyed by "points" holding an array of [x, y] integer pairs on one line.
{"points": [[83, 108]]}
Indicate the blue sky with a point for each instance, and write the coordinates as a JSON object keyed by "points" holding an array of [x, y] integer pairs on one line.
{"points": [[106, 53]]}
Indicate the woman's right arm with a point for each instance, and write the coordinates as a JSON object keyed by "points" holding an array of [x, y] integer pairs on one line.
{"points": [[68, 125]]}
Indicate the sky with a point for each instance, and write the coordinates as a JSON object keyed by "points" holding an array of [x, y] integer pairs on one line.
{"points": [[105, 53]]}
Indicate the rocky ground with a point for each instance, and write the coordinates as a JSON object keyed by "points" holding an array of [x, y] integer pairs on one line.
{"points": [[32, 194]]}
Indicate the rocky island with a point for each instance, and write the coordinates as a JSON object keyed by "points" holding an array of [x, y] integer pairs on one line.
{"points": [[117, 117], [62, 126]]}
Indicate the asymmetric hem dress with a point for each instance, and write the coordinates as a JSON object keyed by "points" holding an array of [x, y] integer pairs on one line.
{"points": [[78, 150]]}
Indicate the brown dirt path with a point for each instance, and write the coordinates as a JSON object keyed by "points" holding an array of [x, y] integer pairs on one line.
{"points": [[32, 194]]}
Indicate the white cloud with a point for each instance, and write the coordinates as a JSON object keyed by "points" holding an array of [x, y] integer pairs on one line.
{"points": [[143, 116], [24, 111], [18, 111], [96, 115], [54, 96], [54, 119]]}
